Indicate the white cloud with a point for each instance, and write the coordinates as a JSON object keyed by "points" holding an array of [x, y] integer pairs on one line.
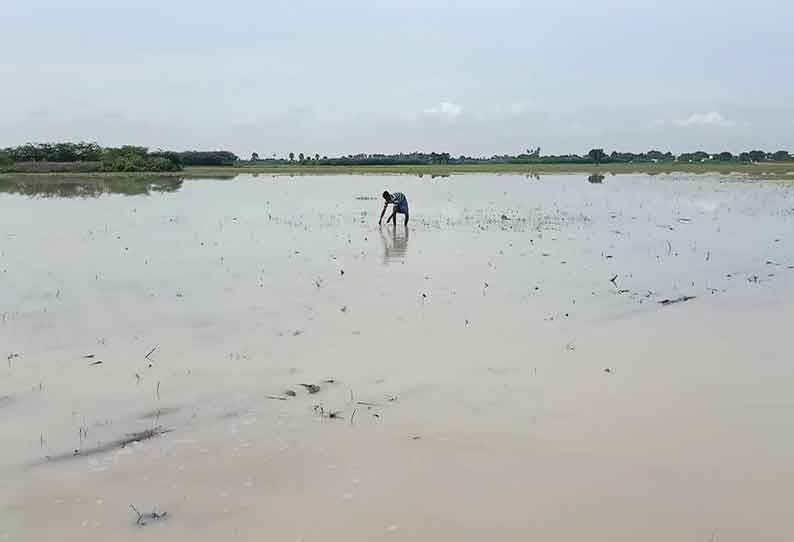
{"points": [[705, 119], [445, 110]]}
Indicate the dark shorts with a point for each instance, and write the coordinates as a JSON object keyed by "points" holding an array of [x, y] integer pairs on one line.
{"points": [[402, 207]]}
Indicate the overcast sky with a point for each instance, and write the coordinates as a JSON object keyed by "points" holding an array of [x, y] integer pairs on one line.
{"points": [[475, 77]]}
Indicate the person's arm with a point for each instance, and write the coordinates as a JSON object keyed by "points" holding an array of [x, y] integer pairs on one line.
{"points": [[383, 212]]}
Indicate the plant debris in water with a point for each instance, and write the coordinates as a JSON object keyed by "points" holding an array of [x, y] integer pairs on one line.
{"points": [[681, 299], [129, 438], [154, 515], [311, 388]]}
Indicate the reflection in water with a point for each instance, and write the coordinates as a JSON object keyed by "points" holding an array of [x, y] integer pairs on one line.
{"points": [[395, 243], [595, 178], [88, 187]]}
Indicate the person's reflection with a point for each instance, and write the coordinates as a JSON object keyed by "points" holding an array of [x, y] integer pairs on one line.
{"points": [[395, 243]]}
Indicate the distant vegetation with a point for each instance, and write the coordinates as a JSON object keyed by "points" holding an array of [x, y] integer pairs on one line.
{"points": [[90, 157], [531, 156], [208, 158]]}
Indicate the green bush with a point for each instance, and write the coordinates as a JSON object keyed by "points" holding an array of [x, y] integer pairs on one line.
{"points": [[130, 158], [5, 160]]}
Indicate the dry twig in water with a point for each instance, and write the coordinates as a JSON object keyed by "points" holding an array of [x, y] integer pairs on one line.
{"points": [[129, 438], [681, 299], [153, 516]]}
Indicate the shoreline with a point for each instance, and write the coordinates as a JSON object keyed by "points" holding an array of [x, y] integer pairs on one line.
{"points": [[766, 171]]}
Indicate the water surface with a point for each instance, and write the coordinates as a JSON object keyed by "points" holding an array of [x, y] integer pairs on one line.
{"points": [[502, 366]]}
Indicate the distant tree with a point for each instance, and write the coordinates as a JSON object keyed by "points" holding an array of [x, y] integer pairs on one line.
{"points": [[254, 157], [57, 152], [63, 152], [292, 157], [745, 157], [23, 153], [597, 155], [317, 156], [131, 158], [757, 156], [655, 155], [172, 157], [5, 159], [701, 155], [300, 157], [208, 158], [698, 156], [88, 152], [781, 156], [725, 157]]}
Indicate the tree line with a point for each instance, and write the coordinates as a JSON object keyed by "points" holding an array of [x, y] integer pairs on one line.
{"points": [[93, 157], [531, 156], [124, 158]]}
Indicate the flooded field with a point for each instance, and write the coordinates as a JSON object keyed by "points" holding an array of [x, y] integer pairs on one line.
{"points": [[556, 358]]}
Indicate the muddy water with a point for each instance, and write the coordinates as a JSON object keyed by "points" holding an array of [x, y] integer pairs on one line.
{"points": [[489, 378]]}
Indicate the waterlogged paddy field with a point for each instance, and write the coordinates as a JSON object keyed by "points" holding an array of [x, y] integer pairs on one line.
{"points": [[503, 368]]}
